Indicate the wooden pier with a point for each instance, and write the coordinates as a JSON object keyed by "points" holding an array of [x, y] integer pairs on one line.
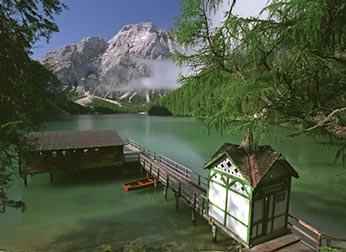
{"points": [[191, 187]]}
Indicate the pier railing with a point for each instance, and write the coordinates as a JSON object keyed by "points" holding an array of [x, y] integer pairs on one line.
{"points": [[175, 167], [314, 238]]}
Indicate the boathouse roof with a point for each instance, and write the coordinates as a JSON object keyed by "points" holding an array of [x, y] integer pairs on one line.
{"points": [[67, 140], [254, 166]]}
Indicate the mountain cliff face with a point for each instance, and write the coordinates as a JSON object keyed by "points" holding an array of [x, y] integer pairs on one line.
{"points": [[134, 62]]}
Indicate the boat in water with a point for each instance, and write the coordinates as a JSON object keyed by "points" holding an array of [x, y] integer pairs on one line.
{"points": [[138, 184]]}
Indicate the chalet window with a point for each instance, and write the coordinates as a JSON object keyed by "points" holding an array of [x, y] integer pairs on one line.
{"points": [[63, 153], [229, 164], [222, 165], [54, 154], [236, 171], [97, 149], [85, 151]]}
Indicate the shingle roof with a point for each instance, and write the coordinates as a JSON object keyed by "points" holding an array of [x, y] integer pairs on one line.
{"points": [[67, 140], [253, 166]]}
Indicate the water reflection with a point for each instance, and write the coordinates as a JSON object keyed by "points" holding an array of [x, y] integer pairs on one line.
{"points": [[79, 213]]}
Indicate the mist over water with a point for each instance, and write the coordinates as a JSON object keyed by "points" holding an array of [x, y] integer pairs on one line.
{"points": [[80, 212]]}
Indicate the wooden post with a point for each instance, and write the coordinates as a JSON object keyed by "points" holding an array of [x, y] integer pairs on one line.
{"points": [[199, 180], [150, 168], [158, 174], [214, 232], [176, 201], [165, 192], [51, 177], [202, 207], [328, 242], [25, 178], [179, 189], [166, 187], [319, 240], [193, 217]]}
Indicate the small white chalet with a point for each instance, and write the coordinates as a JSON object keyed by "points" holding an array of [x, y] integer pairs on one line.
{"points": [[248, 192]]}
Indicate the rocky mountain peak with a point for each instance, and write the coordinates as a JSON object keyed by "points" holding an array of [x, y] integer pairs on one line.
{"points": [[119, 68]]}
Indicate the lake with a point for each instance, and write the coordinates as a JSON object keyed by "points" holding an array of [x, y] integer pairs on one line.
{"points": [[80, 213]]}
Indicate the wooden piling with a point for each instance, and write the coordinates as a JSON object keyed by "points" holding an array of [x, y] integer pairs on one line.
{"points": [[179, 189], [166, 187], [51, 177], [193, 217], [25, 178], [214, 232], [176, 201], [202, 206], [141, 170]]}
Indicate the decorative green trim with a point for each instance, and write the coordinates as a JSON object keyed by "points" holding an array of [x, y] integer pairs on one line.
{"points": [[230, 189], [227, 214], [231, 176], [211, 203], [207, 204], [236, 219], [226, 205], [214, 160], [235, 181], [249, 218]]}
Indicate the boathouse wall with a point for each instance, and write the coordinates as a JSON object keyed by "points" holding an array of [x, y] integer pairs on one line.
{"points": [[71, 150]]}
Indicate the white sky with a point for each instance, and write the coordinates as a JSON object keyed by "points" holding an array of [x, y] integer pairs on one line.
{"points": [[244, 8]]}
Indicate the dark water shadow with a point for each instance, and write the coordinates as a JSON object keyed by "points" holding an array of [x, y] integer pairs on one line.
{"points": [[154, 222], [94, 176]]}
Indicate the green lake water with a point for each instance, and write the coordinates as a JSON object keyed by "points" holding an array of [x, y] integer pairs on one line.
{"points": [[79, 213]]}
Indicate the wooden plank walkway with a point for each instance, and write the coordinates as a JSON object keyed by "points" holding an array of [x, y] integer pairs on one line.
{"points": [[290, 242], [192, 187], [185, 184]]}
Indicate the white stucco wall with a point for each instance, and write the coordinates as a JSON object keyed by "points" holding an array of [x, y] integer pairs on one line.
{"points": [[217, 195], [216, 213], [237, 227], [238, 206]]}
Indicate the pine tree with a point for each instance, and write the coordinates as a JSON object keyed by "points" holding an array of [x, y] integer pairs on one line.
{"points": [[287, 67], [22, 81]]}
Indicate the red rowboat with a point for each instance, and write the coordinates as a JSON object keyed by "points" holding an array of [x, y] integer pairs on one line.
{"points": [[138, 184]]}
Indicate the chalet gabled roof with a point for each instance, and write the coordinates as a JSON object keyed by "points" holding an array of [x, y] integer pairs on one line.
{"points": [[253, 166], [67, 140]]}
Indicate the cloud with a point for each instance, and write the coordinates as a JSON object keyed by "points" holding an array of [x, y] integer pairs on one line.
{"points": [[163, 75], [243, 8]]}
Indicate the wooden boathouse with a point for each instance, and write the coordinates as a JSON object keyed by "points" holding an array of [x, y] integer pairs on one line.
{"points": [[249, 192], [54, 151], [282, 232]]}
